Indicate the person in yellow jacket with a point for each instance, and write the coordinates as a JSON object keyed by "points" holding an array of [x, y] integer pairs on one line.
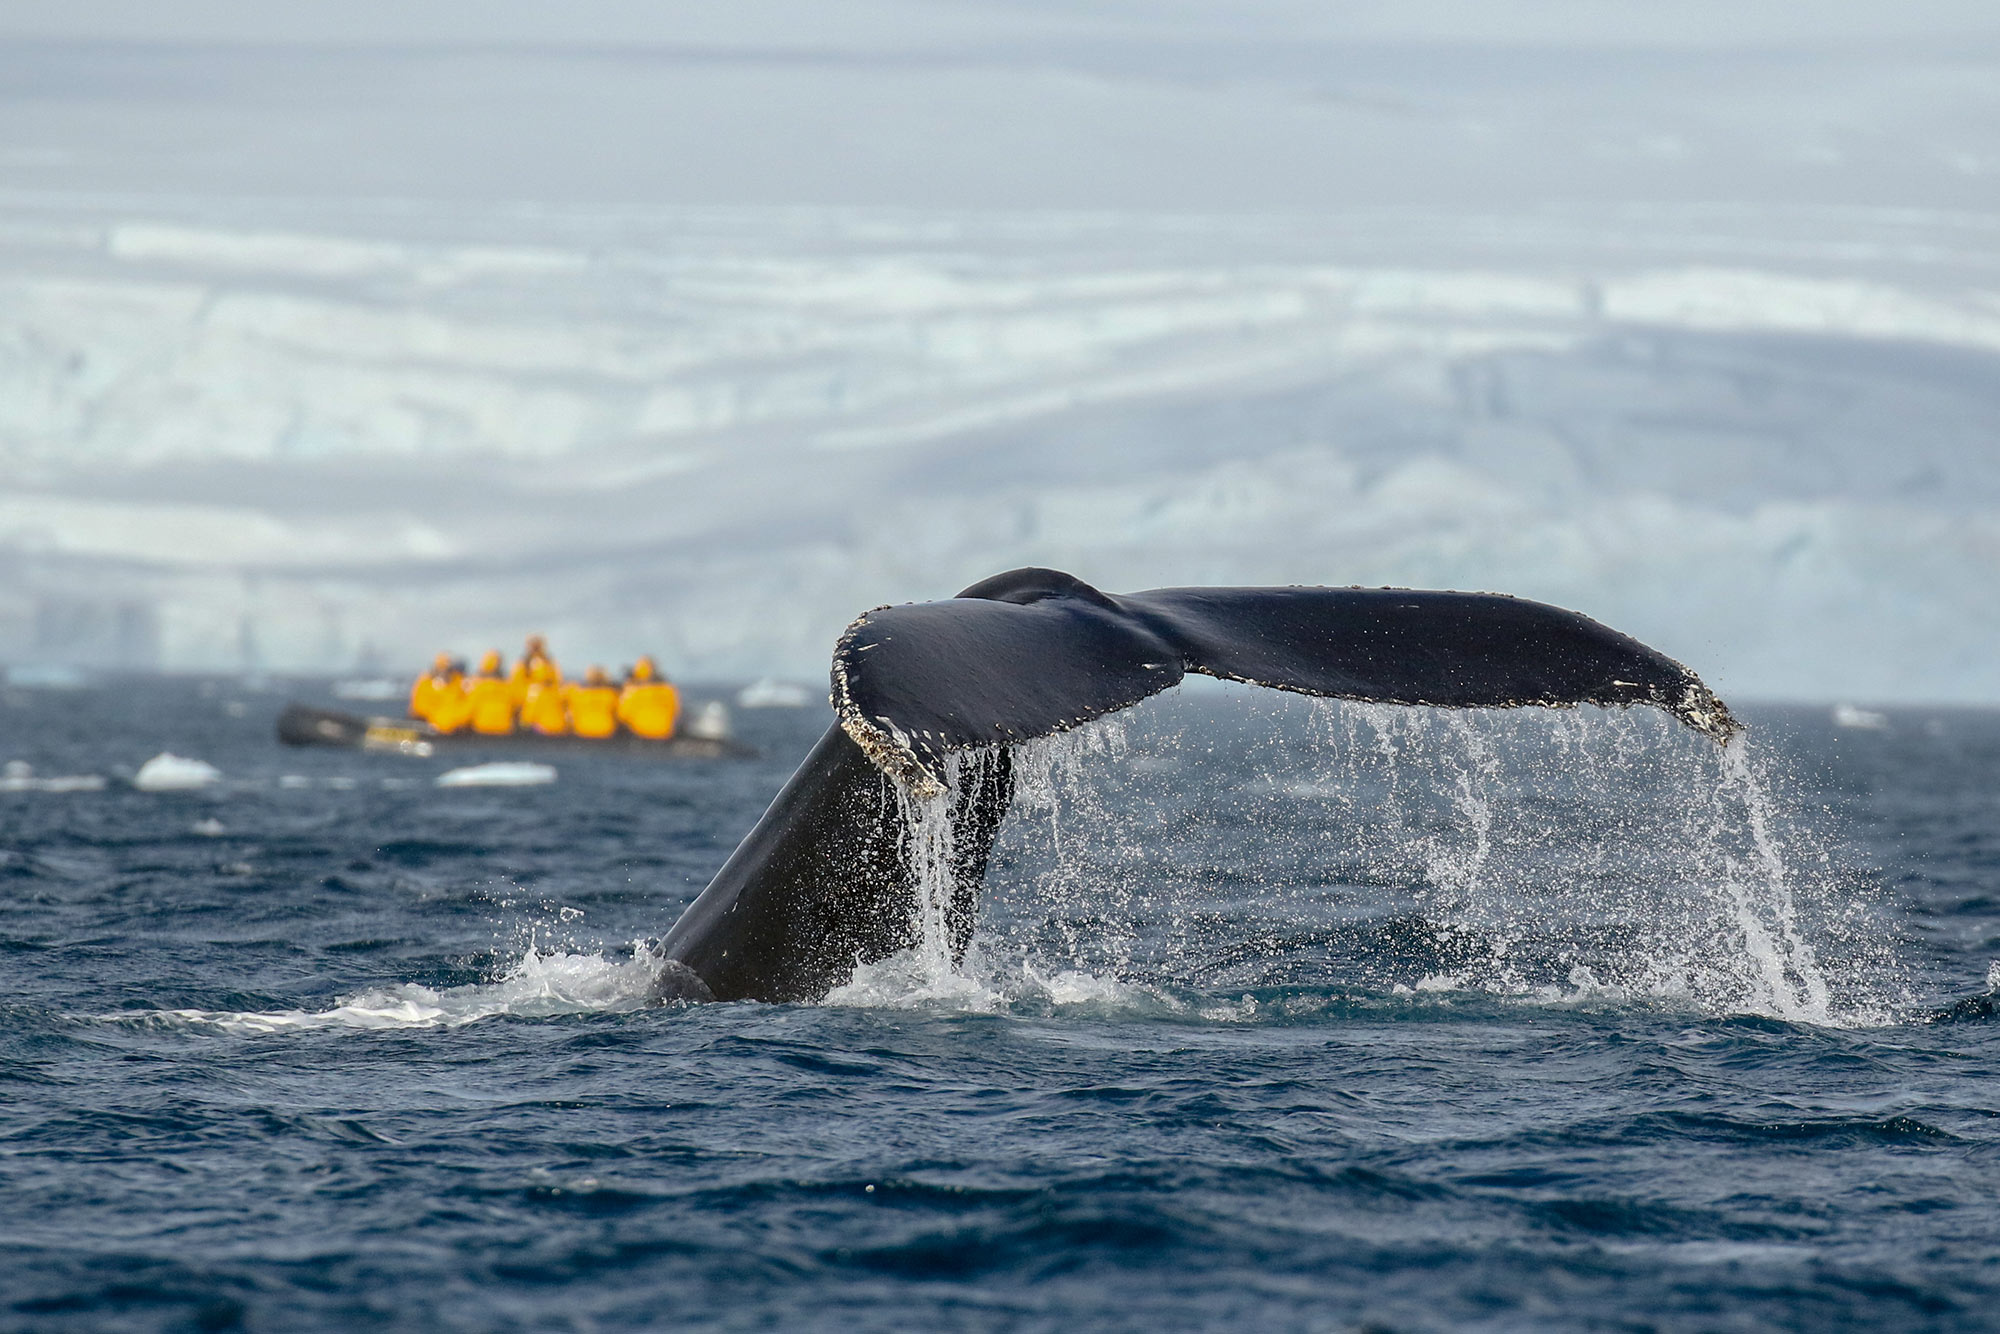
{"points": [[534, 657], [593, 706], [649, 706], [424, 693], [545, 708], [451, 705], [492, 699]]}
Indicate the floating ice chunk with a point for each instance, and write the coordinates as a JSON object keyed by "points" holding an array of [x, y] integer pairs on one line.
{"points": [[19, 776], [168, 772], [500, 773], [31, 677], [1848, 715], [771, 693], [709, 723], [209, 828], [367, 688]]}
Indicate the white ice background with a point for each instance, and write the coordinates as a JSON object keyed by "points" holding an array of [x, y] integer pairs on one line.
{"points": [[698, 329]]}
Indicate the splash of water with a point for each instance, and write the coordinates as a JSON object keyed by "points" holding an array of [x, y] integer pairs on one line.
{"points": [[1575, 856], [1548, 855], [984, 983], [538, 985], [1060, 784], [1618, 826], [1056, 785]]}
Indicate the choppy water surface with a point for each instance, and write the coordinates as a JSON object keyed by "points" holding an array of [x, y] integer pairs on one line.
{"points": [[1282, 1015]]}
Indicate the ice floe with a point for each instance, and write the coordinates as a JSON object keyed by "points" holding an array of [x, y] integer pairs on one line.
{"points": [[168, 772], [499, 773]]}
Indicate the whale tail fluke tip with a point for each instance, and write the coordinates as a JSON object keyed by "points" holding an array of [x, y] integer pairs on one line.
{"points": [[1703, 710]]}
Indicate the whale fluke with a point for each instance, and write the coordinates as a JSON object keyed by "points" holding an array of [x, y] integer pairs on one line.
{"points": [[826, 881], [1033, 651]]}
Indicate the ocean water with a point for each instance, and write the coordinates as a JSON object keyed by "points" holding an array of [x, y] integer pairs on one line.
{"points": [[1281, 1015]]}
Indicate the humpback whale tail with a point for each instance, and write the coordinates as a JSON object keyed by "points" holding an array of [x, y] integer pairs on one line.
{"points": [[828, 879]]}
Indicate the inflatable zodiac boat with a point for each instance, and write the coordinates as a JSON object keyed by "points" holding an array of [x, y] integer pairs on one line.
{"points": [[304, 725]]}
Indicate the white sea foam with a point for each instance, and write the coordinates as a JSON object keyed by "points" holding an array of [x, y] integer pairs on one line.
{"points": [[981, 984], [541, 985], [909, 980]]}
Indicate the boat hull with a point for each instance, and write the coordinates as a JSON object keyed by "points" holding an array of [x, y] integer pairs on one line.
{"points": [[304, 725]]}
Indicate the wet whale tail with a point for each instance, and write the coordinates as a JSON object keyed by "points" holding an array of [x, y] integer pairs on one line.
{"points": [[827, 880]]}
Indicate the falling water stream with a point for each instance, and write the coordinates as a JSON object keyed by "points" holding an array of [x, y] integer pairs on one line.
{"points": [[1538, 853]]}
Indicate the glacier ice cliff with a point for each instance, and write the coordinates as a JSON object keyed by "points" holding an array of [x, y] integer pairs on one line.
{"points": [[714, 433]]}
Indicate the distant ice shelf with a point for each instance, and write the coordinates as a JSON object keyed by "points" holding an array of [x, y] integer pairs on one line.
{"points": [[1761, 440]]}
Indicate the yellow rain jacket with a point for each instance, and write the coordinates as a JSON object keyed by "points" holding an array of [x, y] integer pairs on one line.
{"points": [[593, 706], [533, 658], [649, 706], [451, 706], [544, 709], [492, 700], [423, 695]]}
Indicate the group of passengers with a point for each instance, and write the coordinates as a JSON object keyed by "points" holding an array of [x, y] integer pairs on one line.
{"points": [[533, 698]]}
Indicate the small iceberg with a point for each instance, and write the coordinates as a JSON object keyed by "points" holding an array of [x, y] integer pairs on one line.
{"points": [[370, 688], [500, 773], [1848, 715], [168, 772], [710, 722], [19, 776], [771, 693], [28, 676]]}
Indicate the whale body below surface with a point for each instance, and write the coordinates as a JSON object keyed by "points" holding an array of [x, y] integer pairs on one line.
{"points": [[827, 880]]}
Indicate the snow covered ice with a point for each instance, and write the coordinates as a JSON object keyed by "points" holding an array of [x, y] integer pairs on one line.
{"points": [[498, 773], [168, 772], [742, 442]]}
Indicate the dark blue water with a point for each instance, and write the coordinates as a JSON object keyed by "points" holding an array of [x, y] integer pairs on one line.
{"points": [[1283, 1016]]}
